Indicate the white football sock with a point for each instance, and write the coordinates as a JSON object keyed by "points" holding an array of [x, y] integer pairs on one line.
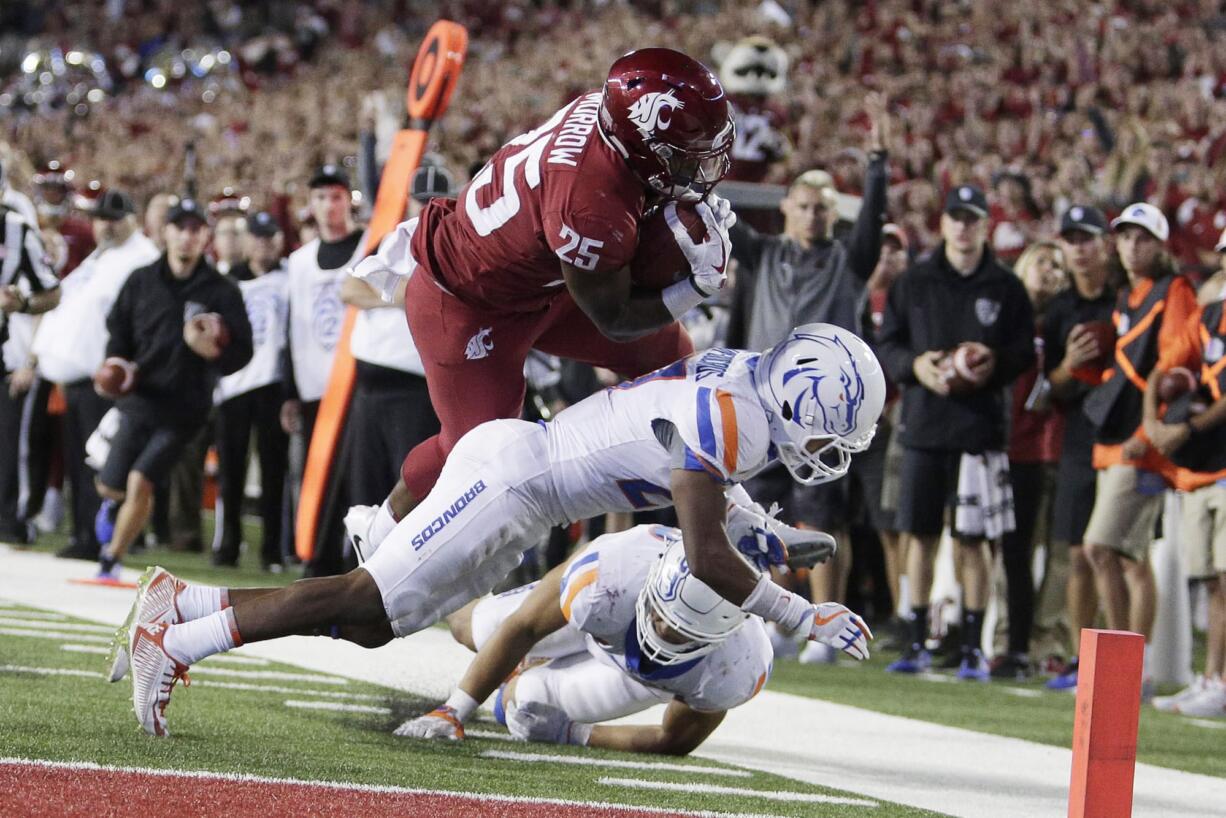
{"points": [[1146, 673], [189, 642], [382, 524], [198, 601]]}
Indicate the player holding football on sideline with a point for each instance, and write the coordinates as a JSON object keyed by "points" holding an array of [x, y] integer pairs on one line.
{"points": [[621, 626], [681, 436], [535, 252]]}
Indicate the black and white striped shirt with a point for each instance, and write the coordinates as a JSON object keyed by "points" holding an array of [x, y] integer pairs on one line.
{"points": [[23, 261]]}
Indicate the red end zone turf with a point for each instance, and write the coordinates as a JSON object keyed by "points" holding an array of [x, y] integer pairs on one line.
{"points": [[49, 789]]}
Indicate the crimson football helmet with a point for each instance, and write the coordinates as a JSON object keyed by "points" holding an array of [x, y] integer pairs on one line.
{"points": [[669, 118]]}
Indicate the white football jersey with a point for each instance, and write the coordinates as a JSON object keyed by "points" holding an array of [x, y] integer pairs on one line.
{"points": [[598, 597], [606, 451], [266, 298]]}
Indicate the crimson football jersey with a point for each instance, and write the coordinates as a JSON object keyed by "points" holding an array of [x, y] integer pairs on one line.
{"points": [[556, 192]]}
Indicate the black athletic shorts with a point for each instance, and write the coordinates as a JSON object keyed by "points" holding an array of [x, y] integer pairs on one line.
{"points": [[142, 445], [1076, 483]]}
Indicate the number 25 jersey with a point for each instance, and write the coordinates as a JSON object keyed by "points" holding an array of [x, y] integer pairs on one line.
{"points": [[556, 193]]}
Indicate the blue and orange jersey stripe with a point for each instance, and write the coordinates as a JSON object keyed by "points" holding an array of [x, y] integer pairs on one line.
{"points": [[581, 573], [727, 417]]}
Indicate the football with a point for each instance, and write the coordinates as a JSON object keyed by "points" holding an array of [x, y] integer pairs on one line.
{"points": [[958, 367], [658, 261], [1104, 336], [115, 378], [1175, 383]]}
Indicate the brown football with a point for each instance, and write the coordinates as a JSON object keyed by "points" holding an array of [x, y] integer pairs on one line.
{"points": [[1175, 383], [658, 261], [1104, 336], [957, 367], [115, 378]]}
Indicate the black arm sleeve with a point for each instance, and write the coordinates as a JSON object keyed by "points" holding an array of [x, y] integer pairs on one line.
{"points": [[237, 353], [1017, 354], [121, 344], [894, 338], [864, 244], [746, 247]]}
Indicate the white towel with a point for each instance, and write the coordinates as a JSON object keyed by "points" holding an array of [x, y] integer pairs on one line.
{"points": [[98, 447], [985, 496]]}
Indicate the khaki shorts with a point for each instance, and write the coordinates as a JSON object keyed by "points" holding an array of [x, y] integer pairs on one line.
{"points": [[1203, 531], [1123, 518]]}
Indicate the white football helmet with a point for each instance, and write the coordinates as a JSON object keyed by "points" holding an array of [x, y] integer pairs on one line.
{"points": [[823, 391], [697, 618]]}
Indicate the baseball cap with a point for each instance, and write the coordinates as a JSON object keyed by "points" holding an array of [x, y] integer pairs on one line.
{"points": [[895, 232], [1086, 218], [112, 205], [329, 175], [430, 181], [262, 224], [1144, 215], [967, 197], [185, 208]]}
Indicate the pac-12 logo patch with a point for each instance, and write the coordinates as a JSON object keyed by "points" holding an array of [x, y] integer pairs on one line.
{"points": [[649, 111]]}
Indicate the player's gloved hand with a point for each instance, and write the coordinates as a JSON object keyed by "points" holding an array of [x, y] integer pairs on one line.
{"points": [[441, 722], [766, 541], [537, 721], [834, 624], [708, 259]]}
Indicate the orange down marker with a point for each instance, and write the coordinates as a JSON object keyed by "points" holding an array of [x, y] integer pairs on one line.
{"points": [[1105, 727]]}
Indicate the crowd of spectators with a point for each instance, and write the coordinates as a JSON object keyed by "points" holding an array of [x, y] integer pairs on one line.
{"points": [[1035, 103]]}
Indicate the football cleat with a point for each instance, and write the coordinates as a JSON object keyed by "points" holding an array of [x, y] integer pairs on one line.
{"points": [[154, 674], [1170, 704], [156, 592], [357, 528], [818, 653], [914, 659], [974, 667]]}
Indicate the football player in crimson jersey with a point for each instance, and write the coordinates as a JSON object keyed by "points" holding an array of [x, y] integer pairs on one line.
{"points": [[534, 253]]}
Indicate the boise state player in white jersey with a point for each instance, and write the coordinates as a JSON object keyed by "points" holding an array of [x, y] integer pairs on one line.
{"points": [[683, 435], [621, 626]]}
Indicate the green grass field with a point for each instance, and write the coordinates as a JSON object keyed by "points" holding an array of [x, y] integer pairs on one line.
{"points": [[251, 729]]}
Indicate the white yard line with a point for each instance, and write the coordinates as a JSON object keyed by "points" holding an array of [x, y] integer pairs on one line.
{"points": [[375, 788], [957, 772], [271, 675], [56, 635], [488, 734], [98, 651], [1212, 725], [339, 707], [34, 624], [30, 614], [584, 761], [712, 789]]}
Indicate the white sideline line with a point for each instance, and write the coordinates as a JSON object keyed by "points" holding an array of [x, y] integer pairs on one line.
{"points": [[658, 766], [375, 788], [1023, 692], [1212, 725], [272, 675], [488, 734], [227, 658], [92, 674], [64, 626], [711, 789], [19, 612], [59, 635], [100, 651], [338, 707]]}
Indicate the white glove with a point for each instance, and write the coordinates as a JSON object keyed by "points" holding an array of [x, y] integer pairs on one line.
{"points": [[708, 259], [537, 721], [834, 624], [441, 722]]}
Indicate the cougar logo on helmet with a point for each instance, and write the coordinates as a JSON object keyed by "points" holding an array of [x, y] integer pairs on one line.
{"points": [[649, 110]]}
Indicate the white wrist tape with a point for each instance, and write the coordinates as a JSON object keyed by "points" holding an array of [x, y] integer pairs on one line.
{"points": [[579, 733], [775, 604], [463, 704], [681, 297]]}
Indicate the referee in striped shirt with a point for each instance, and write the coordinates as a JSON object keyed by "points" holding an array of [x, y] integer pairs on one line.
{"points": [[28, 286]]}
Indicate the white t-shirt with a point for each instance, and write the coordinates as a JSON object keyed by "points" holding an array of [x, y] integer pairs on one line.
{"points": [[316, 315], [71, 339], [266, 299]]}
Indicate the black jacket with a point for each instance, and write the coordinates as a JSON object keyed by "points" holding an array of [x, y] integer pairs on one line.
{"points": [[932, 306], [173, 383]]}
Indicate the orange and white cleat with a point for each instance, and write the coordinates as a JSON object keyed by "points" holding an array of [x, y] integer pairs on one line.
{"points": [[154, 674], [157, 592]]}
